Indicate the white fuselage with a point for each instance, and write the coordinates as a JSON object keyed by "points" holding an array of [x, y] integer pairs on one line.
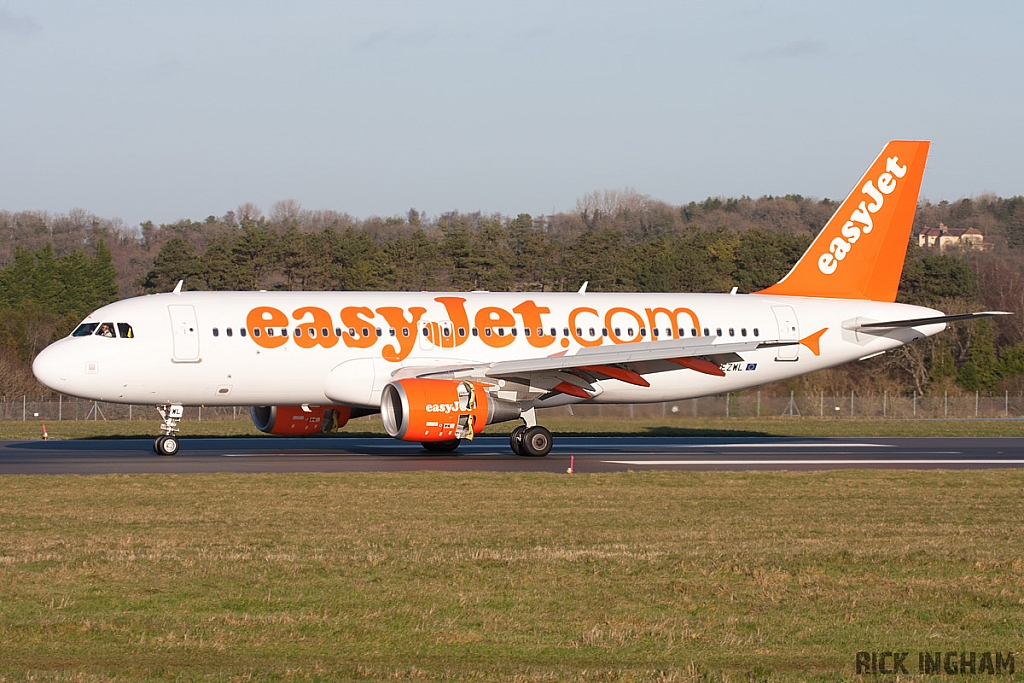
{"points": [[201, 348]]}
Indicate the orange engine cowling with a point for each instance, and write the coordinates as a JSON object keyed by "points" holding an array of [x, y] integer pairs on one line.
{"points": [[440, 409], [294, 421]]}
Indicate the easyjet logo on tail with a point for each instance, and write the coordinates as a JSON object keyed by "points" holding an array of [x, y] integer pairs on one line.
{"points": [[869, 231], [861, 222]]}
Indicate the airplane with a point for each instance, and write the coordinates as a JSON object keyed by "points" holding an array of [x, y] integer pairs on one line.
{"points": [[441, 366]]}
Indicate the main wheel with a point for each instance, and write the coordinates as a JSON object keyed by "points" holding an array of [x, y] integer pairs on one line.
{"points": [[442, 446], [166, 445], [156, 444], [515, 439], [536, 442]]}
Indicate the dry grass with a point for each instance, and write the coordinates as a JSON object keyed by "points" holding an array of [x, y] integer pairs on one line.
{"points": [[530, 577]]}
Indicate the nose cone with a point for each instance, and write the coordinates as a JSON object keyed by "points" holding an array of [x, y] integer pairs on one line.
{"points": [[51, 367]]}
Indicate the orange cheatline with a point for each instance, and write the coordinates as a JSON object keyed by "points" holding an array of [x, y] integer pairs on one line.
{"points": [[571, 390], [621, 374], [700, 365], [812, 341]]}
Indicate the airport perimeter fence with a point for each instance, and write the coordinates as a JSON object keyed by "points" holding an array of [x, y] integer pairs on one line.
{"points": [[745, 404]]}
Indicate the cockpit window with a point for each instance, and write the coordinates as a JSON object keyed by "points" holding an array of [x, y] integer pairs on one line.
{"points": [[124, 330], [85, 329], [106, 330]]}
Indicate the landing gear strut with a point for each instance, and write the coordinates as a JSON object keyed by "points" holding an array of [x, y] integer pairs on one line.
{"points": [[167, 444]]}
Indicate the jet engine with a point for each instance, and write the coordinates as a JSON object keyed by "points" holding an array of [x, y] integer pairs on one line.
{"points": [[430, 410], [299, 420]]}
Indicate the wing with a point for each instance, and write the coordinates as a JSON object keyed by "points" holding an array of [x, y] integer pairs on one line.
{"points": [[574, 374]]}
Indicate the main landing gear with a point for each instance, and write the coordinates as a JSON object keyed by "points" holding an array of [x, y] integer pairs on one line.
{"points": [[533, 441], [167, 444], [530, 439]]}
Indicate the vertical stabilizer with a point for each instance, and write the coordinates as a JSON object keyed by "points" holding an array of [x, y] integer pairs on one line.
{"points": [[860, 252]]}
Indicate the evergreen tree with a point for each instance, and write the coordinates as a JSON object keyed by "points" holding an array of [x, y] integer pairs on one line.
{"points": [[980, 372]]}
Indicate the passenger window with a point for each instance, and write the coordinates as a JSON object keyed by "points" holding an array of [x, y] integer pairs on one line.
{"points": [[487, 332], [85, 329], [475, 332], [391, 331], [718, 332], [270, 331], [693, 331], [655, 331], [707, 332], [565, 331], [326, 332], [380, 333], [228, 331], [366, 332], [554, 332], [124, 330], [515, 332], [579, 332], [216, 332], [591, 331], [241, 331], [743, 331], [732, 332], [284, 331], [311, 331], [501, 331], [298, 331], [540, 331], [337, 332], [405, 331], [604, 331], [756, 332], [643, 331], [462, 331]]}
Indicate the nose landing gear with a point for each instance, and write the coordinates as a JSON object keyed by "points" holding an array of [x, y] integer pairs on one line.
{"points": [[167, 444]]}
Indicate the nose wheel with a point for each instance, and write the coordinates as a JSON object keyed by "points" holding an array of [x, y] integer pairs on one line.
{"points": [[165, 445], [168, 443]]}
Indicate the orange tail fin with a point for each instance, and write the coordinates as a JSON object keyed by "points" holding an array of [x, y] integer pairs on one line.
{"points": [[860, 252]]}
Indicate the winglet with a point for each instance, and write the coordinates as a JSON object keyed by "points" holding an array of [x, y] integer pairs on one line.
{"points": [[860, 252]]}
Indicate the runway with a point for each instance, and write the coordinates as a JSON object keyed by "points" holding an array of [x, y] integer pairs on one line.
{"points": [[492, 454]]}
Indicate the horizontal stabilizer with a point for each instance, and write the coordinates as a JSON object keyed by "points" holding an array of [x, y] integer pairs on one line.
{"points": [[917, 322]]}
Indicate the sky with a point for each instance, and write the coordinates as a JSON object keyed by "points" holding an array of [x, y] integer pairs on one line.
{"points": [[165, 110]]}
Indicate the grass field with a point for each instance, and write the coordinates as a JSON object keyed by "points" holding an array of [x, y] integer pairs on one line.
{"points": [[560, 423], [527, 577]]}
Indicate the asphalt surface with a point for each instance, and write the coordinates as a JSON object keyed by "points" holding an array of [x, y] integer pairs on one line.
{"points": [[492, 454]]}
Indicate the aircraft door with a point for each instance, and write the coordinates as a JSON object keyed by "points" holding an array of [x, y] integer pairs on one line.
{"points": [[185, 331], [789, 330]]}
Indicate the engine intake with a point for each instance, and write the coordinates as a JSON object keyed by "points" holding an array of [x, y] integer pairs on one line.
{"points": [[428, 410], [294, 421]]}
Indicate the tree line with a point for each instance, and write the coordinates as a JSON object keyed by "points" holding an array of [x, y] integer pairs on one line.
{"points": [[60, 267]]}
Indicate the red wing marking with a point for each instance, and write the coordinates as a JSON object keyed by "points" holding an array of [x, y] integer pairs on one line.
{"points": [[621, 374], [571, 390], [700, 365]]}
